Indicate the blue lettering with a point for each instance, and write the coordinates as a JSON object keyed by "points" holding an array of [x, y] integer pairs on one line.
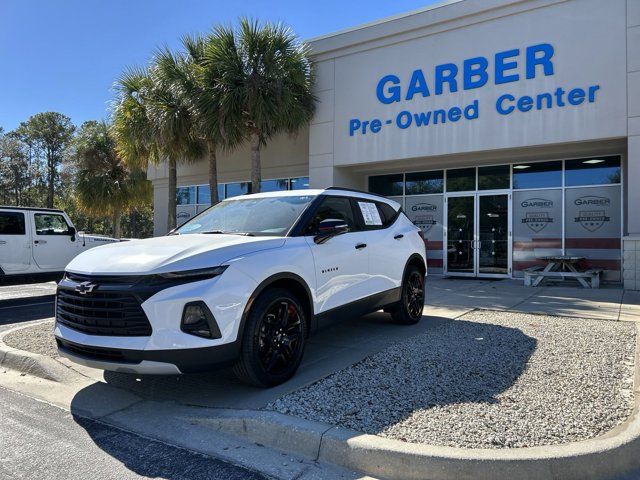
{"points": [[500, 104], [446, 74], [592, 93], [475, 73], [525, 103], [533, 59], [544, 97], [560, 97], [422, 118], [354, 126], [403, 120], [454, 114], [388, 94], [417, 84], [502, 66], [375, 126], [471, 111], [576, 96], [439, 116]]}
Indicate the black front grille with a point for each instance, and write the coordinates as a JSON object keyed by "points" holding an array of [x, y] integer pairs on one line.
{"points": [[97, 353], [102, 312]]}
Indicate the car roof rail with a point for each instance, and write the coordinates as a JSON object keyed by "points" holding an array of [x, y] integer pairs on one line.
{"points": [[355, 190], [31, 209]]}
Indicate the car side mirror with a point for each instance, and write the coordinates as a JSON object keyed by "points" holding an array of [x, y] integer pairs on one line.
{"points": [[72, 233], [329, 228]]}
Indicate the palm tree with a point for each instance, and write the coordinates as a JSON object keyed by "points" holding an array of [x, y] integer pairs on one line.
{"points": [[197, 84], [104, 183], [264, 78], [153, 124]]}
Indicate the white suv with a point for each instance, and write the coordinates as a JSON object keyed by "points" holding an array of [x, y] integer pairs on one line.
{"points": [[244, 283]]}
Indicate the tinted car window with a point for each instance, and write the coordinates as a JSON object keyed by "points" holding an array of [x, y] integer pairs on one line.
{"points": [[269, 216], [51, 224], [12, 223], [387, 213], [337, 208]]}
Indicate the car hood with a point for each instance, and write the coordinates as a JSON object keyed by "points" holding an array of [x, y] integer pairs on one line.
{"points": [[168, 254]]}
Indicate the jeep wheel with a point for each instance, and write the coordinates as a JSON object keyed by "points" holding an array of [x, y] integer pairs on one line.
{"points": [[274, 339], [408, 310]]}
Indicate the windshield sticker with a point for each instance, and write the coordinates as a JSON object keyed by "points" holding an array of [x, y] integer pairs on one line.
{"points": [[370, 213]]}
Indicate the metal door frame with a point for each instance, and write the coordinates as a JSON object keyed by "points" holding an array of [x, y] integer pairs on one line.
{"points": [[476, 234]]}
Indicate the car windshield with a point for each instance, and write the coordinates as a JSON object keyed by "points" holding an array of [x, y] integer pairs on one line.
{"points": [[251, 216]]}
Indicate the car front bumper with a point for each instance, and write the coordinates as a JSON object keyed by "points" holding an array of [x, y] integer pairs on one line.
{"points": [[168, 350], [150, 362]]}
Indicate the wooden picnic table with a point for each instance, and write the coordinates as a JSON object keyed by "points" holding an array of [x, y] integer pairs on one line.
{"points": [[562, 266]]}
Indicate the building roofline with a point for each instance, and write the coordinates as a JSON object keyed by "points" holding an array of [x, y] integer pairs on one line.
{"points": [[391, 18], [430, 19]]}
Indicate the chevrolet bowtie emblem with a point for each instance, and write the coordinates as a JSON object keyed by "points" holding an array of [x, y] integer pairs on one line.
{"points": [[85, 287]]}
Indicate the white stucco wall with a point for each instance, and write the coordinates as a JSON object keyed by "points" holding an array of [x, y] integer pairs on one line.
{"points": [[586, 35]]}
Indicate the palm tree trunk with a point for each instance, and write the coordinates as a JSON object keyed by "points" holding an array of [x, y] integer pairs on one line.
{"points": [[213, 172], [173, 184], [117, 222], [256, 168]]}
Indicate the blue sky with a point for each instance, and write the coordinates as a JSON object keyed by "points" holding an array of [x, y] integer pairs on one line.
{"points": [[63, 55]]}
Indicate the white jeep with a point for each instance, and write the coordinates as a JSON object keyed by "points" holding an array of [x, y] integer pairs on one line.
{"points": [[40, 240]]}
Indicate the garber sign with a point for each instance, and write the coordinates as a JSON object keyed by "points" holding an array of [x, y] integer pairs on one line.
{"points": [[473, 73]]}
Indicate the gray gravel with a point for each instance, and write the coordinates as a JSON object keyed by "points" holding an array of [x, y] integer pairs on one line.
{"points": [[486, 380], [37, 339]]}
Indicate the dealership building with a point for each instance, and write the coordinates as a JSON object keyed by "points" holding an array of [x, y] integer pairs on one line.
{"points": [[508, 130]]}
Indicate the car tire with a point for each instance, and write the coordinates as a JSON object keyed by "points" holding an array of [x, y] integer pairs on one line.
{"points": [[274, 339], [408, 311]]}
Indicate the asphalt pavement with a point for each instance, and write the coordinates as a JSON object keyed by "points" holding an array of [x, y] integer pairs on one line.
{"points": [[40, 441], [26, 299]]}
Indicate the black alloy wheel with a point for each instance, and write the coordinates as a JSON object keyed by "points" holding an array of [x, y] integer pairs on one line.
{"points": [[280, 336], [415, 294], [273, 340], [408, 310]]}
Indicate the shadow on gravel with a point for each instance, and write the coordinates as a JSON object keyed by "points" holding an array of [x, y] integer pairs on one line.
{"points": [[456, 362]]}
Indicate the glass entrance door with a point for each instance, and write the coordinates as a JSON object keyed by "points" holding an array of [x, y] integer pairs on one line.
{"points": [[461, 235], [478, 235], [492, 243]]}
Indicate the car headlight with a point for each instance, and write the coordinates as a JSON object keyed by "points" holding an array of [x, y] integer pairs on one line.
{"points": [[197, 274]]}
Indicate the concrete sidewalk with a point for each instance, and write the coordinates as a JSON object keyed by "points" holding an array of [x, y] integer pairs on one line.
{"points": [[607, 303]]}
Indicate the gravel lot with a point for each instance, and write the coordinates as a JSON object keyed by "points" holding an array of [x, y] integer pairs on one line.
{"points": [[486, 380], [36, 339]]}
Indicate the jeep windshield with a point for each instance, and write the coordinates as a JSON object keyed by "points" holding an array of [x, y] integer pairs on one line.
{"points": [[270, 216]]}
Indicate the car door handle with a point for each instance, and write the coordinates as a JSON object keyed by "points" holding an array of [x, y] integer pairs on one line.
{"points": [[39, 242], [360, 246], [398, 237]]}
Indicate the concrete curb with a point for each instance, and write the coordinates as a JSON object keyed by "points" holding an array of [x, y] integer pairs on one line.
{"points": [[32, 363], [609, 456]]}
